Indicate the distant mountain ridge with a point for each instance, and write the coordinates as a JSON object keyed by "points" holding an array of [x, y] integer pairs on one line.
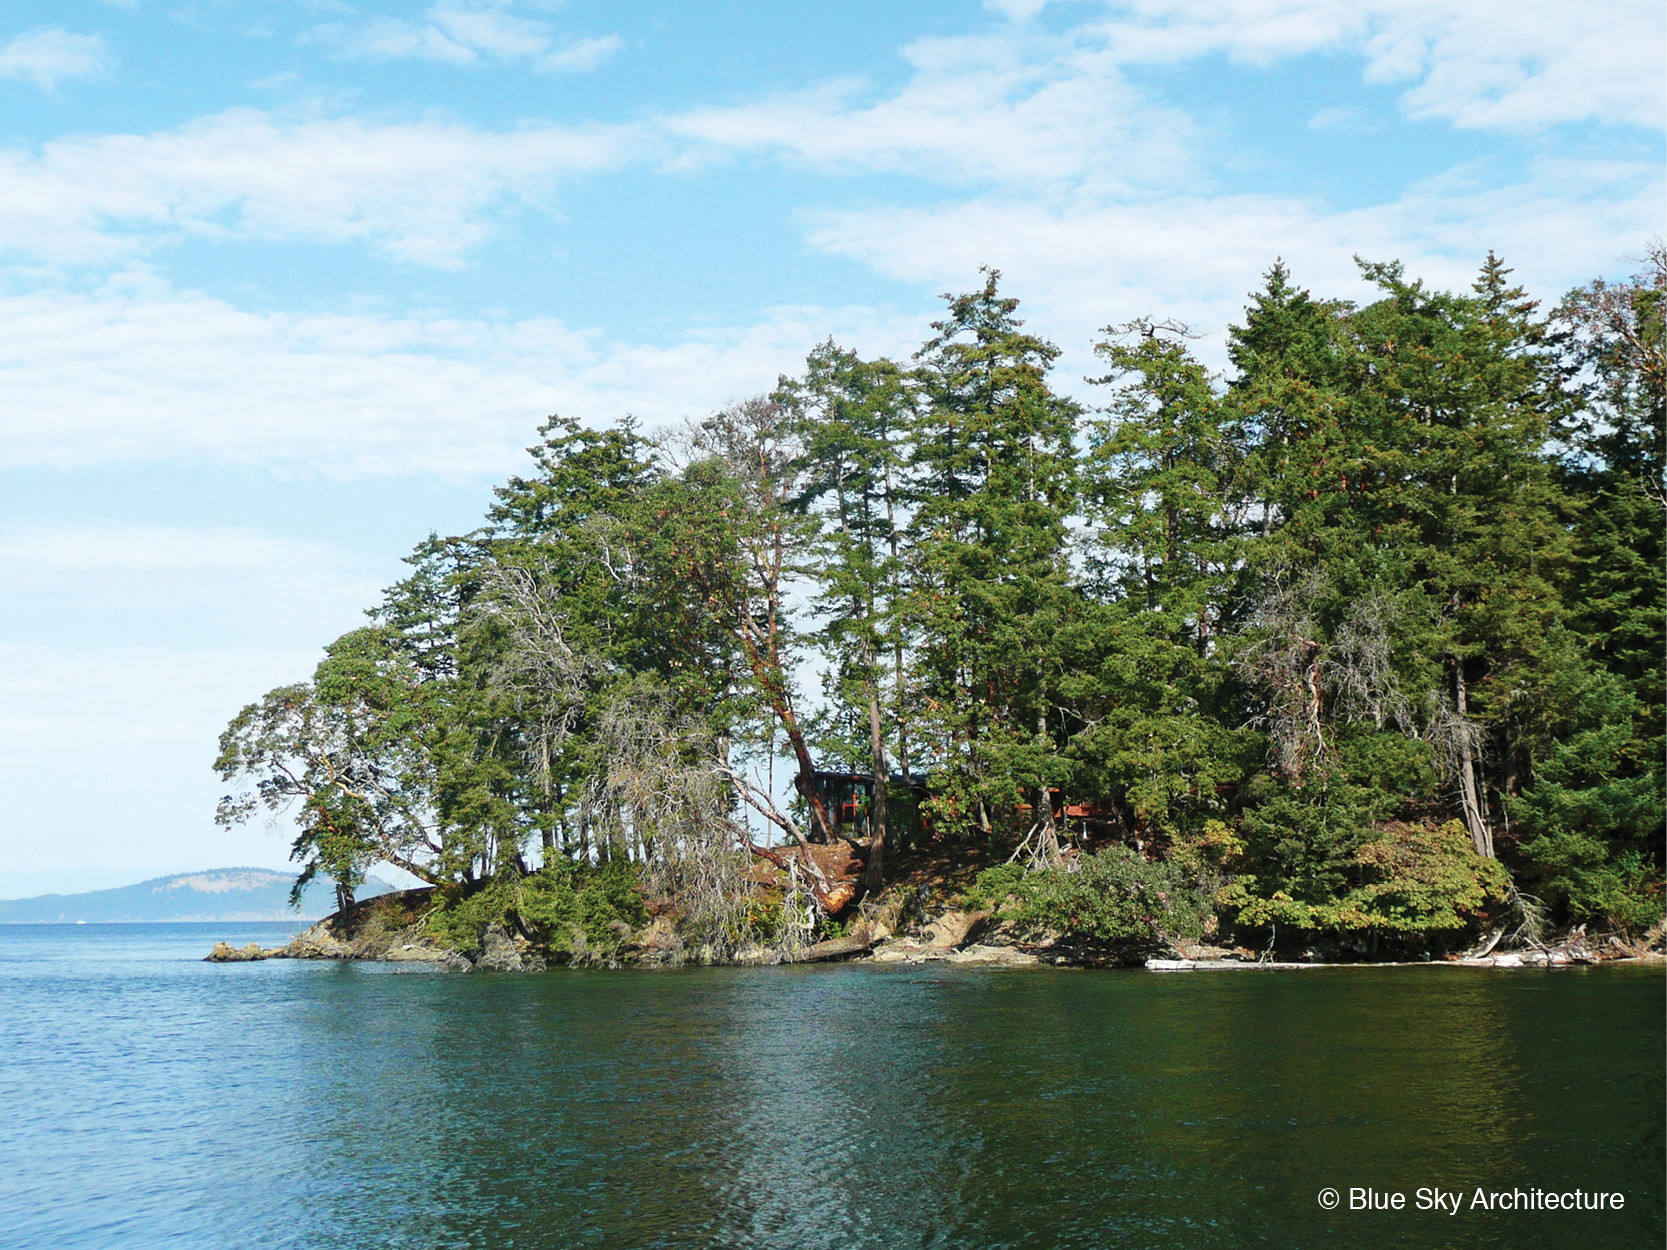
{"points": [[219, 894]]}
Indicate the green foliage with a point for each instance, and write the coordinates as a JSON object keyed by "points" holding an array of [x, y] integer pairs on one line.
{"points": [[460, 917], [1404, 564], [564, 897], [1301, 841], [1619, 888], [1209, 856], [992, 887], [566, 905], [1423, 880], [1412, 880], [994, 481], [1120, 899], [1589, 825]]}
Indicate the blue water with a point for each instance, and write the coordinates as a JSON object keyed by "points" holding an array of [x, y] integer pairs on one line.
{"points": [[150, 1099]]}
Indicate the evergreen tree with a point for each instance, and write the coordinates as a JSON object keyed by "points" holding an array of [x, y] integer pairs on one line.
{"points": [[853, 416], [992, 589]]}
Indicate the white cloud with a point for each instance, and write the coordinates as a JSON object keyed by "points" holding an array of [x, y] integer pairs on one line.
{"points": [[1016, 10], [579, 57], [1101, 205], [1096, 202], [1507, 64], [1079, 267], [1046, 115], [1020, 105], [1042, 112], [46, 57], [1339, 119], [421, 191], [465, 35], [137, 372]]}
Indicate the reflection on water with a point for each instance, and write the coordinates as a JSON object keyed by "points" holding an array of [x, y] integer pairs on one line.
{"points": [[153, 1099]]}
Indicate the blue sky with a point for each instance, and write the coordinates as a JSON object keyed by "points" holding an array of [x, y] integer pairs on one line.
{"points": [[285, 285]]}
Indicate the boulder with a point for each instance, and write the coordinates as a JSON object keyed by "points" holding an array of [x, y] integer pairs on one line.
{"points": [[225, 953], [499, 952], [951, 928]]}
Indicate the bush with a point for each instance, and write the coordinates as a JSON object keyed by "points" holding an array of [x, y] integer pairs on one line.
{"points": [[560, 902], [461, 917], [993, 885], [564, 898], [1414, 879], [1120, 899], [1590, 881], [1426, 880]]}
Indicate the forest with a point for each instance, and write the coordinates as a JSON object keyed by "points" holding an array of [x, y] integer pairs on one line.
{"points": [[1360, 640]]}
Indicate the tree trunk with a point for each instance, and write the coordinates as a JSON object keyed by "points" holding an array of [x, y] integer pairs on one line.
{"points": [[877, 818], [1475, 817], [547, 837], [1048, 850]]}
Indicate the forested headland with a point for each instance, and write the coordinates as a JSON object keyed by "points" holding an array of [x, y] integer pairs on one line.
{"points": [[1358, 643]]}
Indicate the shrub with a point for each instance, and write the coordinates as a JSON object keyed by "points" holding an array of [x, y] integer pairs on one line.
{"points": [[1414, 879], [992, 886], [1426, 880], [1586, 877], [559, 902], [565, 897], [1120, 899]]}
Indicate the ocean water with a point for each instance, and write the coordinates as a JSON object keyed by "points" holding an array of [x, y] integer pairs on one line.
{"points": [[149, 1099]]}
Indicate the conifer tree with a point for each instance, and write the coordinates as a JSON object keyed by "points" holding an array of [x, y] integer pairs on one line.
{"points": [[994, 480], [853, 416]]}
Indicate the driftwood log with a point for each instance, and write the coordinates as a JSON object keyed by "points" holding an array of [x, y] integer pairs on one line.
{"points": [[833, 948]]}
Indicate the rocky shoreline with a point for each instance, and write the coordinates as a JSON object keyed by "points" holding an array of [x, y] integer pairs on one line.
{"points": [[390, 930]]}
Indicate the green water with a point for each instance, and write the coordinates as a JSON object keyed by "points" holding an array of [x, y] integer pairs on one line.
{"points": [[163, 1101]]}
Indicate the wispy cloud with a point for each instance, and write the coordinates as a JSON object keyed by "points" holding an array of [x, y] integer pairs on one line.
{"points": [[466, 36], [581, 56], [1493, 64], [1082, 265], [47, 57], [1095, 199], [138, 372], [1050, 116], [1343, 120], [1037, 112], [423, 191], [125, 567], [1019, 103]]}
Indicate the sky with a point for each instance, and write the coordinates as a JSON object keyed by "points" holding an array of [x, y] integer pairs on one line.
{"points": [[287, 284]]}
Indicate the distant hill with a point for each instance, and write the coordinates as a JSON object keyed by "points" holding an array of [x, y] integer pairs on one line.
{"points": [[219, 894]]}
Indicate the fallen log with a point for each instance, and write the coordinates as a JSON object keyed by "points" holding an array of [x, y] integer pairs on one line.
{"points": [[833, 948]]}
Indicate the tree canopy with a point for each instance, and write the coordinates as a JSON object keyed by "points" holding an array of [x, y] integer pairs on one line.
{"points": [[1365, 634]]}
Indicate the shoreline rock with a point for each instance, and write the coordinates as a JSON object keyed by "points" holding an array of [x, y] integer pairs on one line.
{"points": [[389, 929], [225, 953]]}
